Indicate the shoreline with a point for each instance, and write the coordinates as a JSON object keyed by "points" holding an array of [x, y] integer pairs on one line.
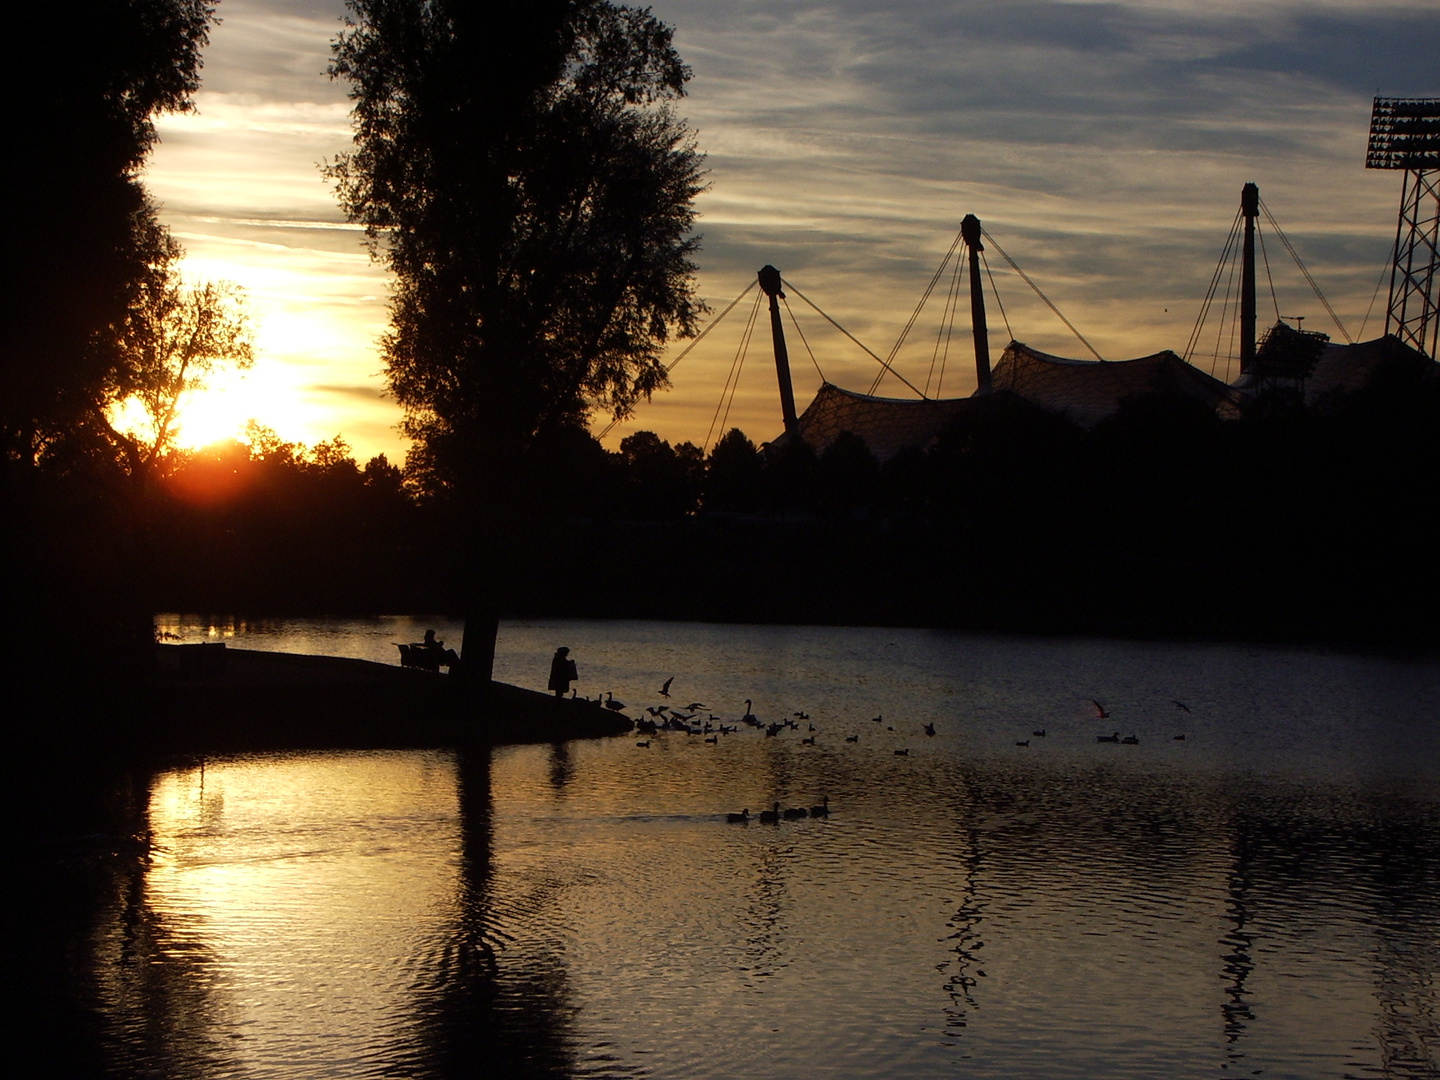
{"points": [[214, 698]]}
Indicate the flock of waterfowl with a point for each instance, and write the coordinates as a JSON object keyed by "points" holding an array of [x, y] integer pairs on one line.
{"points": [[1102, 713], [662, 718]]}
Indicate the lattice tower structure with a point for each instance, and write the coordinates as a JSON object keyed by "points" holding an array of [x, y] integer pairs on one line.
{"points": [[1405, 135]]}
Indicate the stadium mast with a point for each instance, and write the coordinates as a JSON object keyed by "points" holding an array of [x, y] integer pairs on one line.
{"points": [[1405, 135]]}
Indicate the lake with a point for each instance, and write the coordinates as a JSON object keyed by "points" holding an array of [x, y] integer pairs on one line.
{"points": [[1258, 898]]}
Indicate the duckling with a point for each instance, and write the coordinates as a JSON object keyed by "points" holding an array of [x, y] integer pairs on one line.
{"points": [[770, 817]]}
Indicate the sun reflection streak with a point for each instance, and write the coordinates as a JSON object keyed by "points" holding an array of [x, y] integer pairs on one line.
{"points": [[314, 887]]}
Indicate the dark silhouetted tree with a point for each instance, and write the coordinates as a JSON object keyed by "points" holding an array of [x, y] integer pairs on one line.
{"points": [[174, 337], [85, 80], [520, 170], [84, 236], [734, 475]]}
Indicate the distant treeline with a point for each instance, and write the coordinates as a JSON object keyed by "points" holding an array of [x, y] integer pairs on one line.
{"points": [[1287, 523]]}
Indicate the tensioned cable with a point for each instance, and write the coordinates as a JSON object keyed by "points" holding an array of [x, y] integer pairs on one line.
{"points": [[924, 296], [1230, 292], [869, 351], [1194, 341], [695, 341], [945, 332], [1296, 256], [1234, 322], [1026, 278], [796, 323], [732, 381], [996, 290], [1265, 255], [1380, 281]]}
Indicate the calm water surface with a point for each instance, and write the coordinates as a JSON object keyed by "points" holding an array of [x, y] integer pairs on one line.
{"points": [[1259, 898]]}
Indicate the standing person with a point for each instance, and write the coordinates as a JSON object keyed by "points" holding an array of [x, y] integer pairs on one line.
{"points": [[562, 671]]}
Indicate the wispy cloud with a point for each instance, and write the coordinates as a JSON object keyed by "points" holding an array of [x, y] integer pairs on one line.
{"points": [[1103, 145]]}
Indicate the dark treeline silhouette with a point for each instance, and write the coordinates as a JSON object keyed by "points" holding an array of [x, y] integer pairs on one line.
{"points": [[81, 255], [1164, 520]]}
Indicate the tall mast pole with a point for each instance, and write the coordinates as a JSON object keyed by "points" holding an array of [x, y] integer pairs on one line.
{"points": [[1250, 207], [970, 230], [770, 282]]}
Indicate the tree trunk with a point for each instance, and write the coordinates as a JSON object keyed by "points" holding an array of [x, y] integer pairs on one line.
{"points": [[477, 648]]}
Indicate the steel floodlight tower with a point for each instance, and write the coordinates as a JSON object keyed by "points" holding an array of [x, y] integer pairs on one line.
{"points": [[1405, 135]]}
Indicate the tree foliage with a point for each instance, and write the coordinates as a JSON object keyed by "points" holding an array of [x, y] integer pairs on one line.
{"points": [[174, 337], [87, 79], [520, 168]]}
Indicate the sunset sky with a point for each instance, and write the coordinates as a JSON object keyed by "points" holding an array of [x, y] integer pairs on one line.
{"points": [[1103, 145]]}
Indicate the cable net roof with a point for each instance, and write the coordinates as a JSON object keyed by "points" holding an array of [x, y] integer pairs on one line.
{"points": [[888, 425], [1089, 391], [1345, 368], [1084, 391]]}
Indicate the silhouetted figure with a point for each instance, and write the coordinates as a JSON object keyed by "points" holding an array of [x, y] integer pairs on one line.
{"points": [[435, 648], [429, 655], [562, 672]]}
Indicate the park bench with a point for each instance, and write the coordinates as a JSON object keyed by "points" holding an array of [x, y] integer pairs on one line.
{"points": [[418, 656]]}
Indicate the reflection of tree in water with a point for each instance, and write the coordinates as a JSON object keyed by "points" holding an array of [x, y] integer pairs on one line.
{"points": [[125, 991], [764, 916], [1371, 871], [1407, 945], [1237, 963], [964, 925], [476, 1013]]}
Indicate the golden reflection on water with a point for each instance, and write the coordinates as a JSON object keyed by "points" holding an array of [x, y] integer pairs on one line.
{"points": [[306, 887]]}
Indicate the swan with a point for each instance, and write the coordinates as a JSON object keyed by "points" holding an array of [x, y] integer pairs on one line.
{"points": [[795, 813], [739, 819], [1039, 734], [930, 729], [823, 810], [903, 753], [1131, 740], [770, 817], [1022, 742], [852, 738], [1108, 738], [611, 703]]}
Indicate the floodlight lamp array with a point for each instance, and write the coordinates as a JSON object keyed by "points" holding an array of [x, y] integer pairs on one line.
{"points": [[1404, 134]]}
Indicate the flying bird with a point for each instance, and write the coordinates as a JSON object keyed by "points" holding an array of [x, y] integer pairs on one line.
{"points": [[1100, 710], [1180, 705], [665, 690]]}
